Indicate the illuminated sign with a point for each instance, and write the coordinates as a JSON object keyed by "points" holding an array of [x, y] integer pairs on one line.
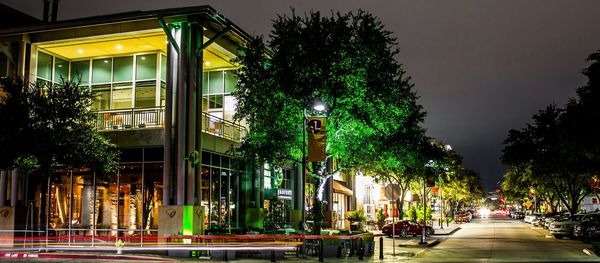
{"points": [[284, 194]]}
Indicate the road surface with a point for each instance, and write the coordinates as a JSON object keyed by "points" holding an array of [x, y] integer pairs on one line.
{"points": [[500, 239]]}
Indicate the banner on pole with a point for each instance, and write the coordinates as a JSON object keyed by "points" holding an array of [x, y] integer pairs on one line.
{"points": [[317, 135]]}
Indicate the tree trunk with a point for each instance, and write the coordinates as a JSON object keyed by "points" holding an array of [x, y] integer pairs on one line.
{"points": [[317, 204]]}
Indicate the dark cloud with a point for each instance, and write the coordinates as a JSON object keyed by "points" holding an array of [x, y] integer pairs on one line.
{"points": [[480, 67]]}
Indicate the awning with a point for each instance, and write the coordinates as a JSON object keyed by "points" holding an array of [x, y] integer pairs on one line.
{"points": [[340, 188]]}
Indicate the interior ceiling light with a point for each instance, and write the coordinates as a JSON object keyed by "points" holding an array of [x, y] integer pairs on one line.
{"points": [[207, 63], [119, 47], [143, 58], [80, 51]]}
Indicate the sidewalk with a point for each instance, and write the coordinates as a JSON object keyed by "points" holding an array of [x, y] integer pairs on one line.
{"points": [[394, 250]]}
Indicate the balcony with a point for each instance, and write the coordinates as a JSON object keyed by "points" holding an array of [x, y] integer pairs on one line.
{"points": [[149, 118]]}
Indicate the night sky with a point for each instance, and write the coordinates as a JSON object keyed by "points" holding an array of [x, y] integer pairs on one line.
{"points": [[480, 67]]}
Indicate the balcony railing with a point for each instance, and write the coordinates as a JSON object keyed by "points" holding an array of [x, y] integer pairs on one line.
{"points": [[128, 119]]}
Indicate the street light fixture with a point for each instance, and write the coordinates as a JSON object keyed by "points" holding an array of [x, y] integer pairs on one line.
{"points": [[319, 106]]}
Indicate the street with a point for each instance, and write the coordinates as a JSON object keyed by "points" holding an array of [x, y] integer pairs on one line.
{"points": [[499, 239], [496, 239]]}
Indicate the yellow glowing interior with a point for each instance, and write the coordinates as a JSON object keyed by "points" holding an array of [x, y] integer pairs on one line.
{"points": [[215, 57]]}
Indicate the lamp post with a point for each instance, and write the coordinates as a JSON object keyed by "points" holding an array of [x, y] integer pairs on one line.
{"points": [[424, 232], [318, 106]]}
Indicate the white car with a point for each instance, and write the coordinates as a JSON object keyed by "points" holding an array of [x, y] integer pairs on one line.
{"points": [[529, 218], [564, 228]]}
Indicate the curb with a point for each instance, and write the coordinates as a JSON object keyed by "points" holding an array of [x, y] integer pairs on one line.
{"points": [[434, 243], [449, 233], [589, 252]]}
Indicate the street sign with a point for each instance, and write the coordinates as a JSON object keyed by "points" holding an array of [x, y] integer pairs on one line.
{"points": [[392, 189]]}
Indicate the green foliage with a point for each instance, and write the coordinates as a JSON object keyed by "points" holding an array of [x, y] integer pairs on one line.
{"points": [[53, 127], [380, 215], [411, 213], [419, 211], [348, 61], [356, 216], [559, 151]]}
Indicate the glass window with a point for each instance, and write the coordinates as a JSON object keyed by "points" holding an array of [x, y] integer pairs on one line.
{"points": [[215, 189], [145, 67], [44, 66], [229, 107], [101, 70], [123, 69], [154, 154], [216, 101], [206, 158], [121, 96], [131, 155], [230, 81], [163, 67], [216, 160], [3, 65], [163, 93], [145, 94], [101, 99], [205, 83], [61, 70], [215, 80], [80, 71], [152, 196]]}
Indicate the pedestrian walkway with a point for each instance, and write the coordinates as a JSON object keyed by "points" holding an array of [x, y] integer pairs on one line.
{"points": [[394, 250]]}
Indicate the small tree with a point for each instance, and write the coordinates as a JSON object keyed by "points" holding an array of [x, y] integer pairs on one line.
{"points": [[55, 128]]}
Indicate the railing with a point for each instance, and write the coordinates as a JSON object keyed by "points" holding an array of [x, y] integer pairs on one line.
{"points": [[144, 118]]}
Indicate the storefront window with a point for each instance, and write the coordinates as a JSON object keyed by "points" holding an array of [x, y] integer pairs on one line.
{"points": [[3, 65]]}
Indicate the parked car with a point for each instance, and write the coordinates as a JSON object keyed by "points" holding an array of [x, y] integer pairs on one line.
{"points": [[532, 217], [517, 215], [541, 220], [405, 228], [559, 217], [464, 217], [589, 230], [564, 228]]}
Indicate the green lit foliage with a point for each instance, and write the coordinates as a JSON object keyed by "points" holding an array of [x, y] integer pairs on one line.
{"points": [[356, 216], [348, 61]]}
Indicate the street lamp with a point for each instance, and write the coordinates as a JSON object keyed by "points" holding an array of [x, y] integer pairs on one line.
{"points": [[423, 232], [318, 106]]}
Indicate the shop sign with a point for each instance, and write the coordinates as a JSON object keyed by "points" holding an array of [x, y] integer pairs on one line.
{"points": [[284, 194], [317, 134]]}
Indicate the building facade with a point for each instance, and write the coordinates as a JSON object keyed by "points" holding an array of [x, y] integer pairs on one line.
{"points": [[162, 83]]}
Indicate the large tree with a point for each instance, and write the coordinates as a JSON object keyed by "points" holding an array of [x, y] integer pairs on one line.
{"points": [[346, 60]]}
